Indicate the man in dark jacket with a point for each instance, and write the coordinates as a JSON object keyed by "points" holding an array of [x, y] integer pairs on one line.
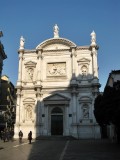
{"points": [[30, 137]]}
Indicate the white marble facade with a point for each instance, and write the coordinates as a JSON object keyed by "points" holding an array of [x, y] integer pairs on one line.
{"points": [[56, 87]]}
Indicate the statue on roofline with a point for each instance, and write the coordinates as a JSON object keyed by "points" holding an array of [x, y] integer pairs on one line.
{"points": [[22, 42], [56, 31]]}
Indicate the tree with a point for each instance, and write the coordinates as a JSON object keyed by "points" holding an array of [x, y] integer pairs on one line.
{"points": [[107, 107]]}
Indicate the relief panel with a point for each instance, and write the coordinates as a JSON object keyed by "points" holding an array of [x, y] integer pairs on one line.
{"points": [[56, 69]]}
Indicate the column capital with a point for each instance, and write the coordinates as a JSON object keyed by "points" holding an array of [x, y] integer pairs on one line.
{"points": [[39, 53], [73, 51]]}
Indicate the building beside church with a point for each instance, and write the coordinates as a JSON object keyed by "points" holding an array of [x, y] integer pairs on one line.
{"points": [[3, 56], [7, 103], [56, 87]]}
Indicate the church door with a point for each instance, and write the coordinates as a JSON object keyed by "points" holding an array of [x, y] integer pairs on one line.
{"points": [[57, 121]]}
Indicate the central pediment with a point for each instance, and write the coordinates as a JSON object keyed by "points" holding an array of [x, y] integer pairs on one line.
{"points": [[56, 43], [56, 99]]}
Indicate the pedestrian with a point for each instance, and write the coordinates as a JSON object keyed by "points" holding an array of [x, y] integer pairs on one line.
{"points": [[1, 135], [7, 134], [20, 136], [30, 137], [4, 135], [11, 134]]}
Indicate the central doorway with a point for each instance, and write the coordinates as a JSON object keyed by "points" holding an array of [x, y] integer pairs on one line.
{"points": [[57, 121]]}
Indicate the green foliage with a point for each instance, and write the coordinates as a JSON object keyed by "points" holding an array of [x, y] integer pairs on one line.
{"points": [[2, 119], [107, 106]]}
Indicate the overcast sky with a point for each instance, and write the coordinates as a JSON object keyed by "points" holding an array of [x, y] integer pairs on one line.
{"points": [[34, 20]]}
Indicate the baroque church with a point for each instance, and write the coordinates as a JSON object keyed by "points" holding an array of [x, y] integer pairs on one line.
{"points": [[56, 88]]}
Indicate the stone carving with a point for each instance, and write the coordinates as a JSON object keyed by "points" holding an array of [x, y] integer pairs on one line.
{"points": [[85, 112], [22, 42], [56, 69], [30, 72], [56, 31], [84, 70], [29, 112], [93, 38]]}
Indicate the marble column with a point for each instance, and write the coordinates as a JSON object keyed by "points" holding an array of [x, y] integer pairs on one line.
{"points": [[17, 124], [39, 74], [38, 110], [21, 52], [74, 105], [66, 118], [74, 111], [95, 66], [73, 62]]}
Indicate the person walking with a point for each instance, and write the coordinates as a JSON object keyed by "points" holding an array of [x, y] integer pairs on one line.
{"points": [[30, 137], [4, 135], [11, 134], [20, 136]]}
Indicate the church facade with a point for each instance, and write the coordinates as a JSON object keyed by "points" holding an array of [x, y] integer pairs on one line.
{"points": [[56, 87]]}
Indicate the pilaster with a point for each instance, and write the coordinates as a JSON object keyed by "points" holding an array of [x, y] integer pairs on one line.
{"points": [[39, 73], [21, 52], [39, 109], [73, 56]]}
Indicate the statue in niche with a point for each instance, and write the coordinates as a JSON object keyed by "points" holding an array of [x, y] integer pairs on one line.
{"points": [[85, 112], [84, 71], [56, 31], [30, 74], [22, 42], [29, 113]]}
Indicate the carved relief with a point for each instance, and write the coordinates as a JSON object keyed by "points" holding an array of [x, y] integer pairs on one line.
{"points": [[56, 69], [30, 72], [28, 112], [28, 115], [84, 70], [30, 68], [83, 67], [85, 110]]}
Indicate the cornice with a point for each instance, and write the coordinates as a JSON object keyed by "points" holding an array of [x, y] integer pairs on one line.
{"points": [[54, 41], [83, 48]]}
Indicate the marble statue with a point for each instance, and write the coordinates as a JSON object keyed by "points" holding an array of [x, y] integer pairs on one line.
{"points": [[22, 42], [56, 31]]}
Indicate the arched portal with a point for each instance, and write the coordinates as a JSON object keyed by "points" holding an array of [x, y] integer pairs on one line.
{"points": [[57, 121]]}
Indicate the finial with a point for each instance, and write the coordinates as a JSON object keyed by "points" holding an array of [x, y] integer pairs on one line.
{"points": [[22, 42], [93, 38], [56, 31]]}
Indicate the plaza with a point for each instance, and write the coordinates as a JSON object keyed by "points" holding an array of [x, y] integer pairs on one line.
{"points": [[60, 149]]}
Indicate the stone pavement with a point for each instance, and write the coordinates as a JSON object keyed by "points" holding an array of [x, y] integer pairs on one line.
{"points": [[60, 150]]}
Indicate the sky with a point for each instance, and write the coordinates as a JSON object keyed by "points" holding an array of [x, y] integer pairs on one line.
{"points": [[34, 20]]}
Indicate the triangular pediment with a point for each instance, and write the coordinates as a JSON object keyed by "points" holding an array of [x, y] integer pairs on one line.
{"points": [[83, 60], [28, 100], [30, 63], [85, 99], [56, 97]]}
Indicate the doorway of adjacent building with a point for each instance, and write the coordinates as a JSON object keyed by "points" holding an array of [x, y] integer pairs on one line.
{"points": [[57, 121]]}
